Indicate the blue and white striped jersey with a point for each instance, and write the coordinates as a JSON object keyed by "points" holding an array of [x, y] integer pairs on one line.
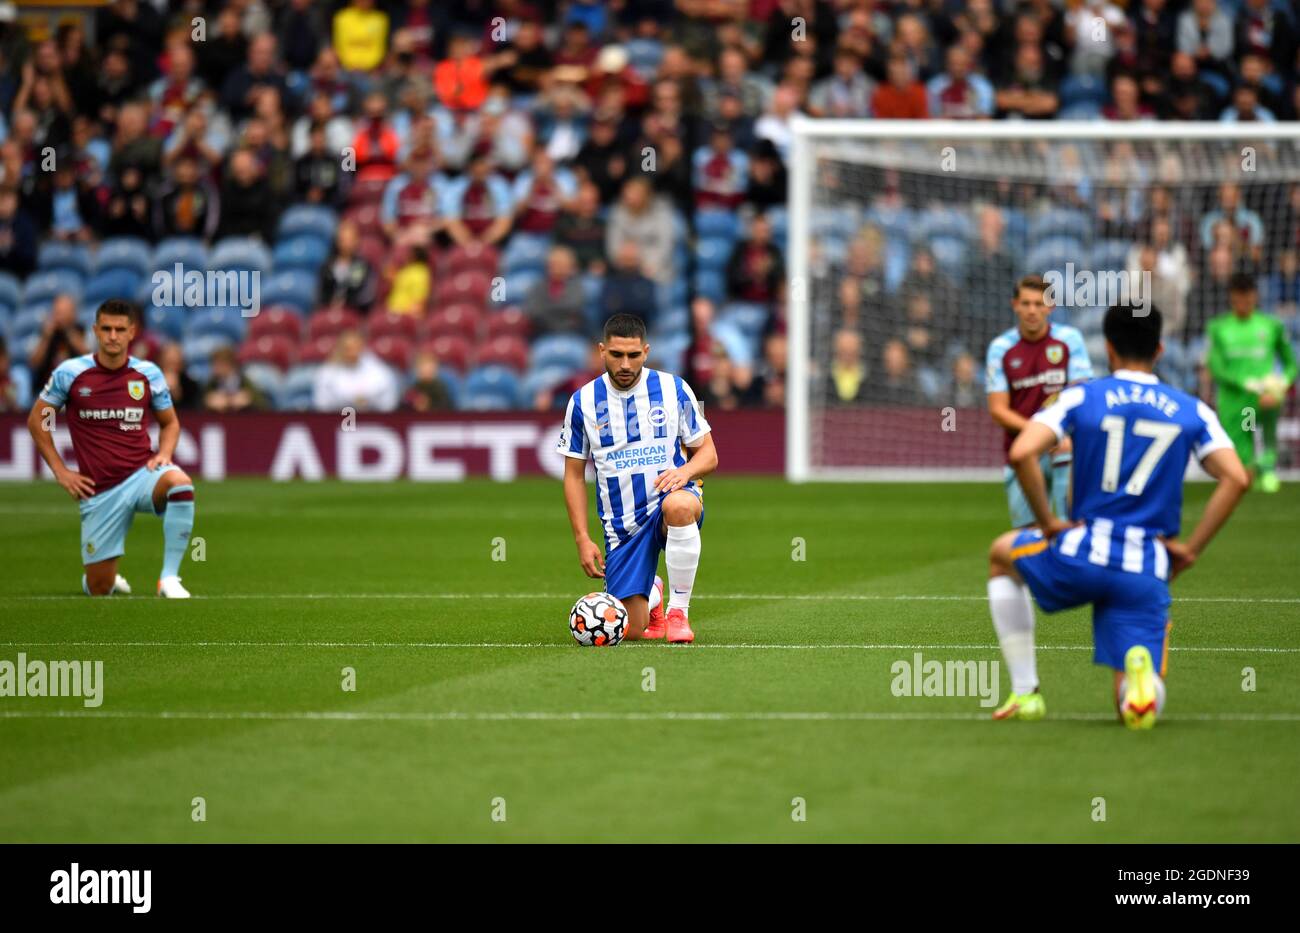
{"points": [[1132, 439], [632, 436]]}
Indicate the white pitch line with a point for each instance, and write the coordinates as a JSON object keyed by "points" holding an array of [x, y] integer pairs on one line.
{"points": [[454, 716], [785, 597], [742, 646]]}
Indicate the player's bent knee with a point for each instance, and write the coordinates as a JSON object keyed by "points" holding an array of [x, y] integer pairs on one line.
{"points": [[681, 508], [1000, 552]]}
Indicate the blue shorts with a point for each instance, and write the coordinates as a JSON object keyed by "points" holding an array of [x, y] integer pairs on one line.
{"points": [[1058, 492], [107, 517], [1127, 608], [630, 567]]}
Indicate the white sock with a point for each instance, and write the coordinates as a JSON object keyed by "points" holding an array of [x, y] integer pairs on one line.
{"points": [[682, 555], [1160, 693], [1013, 620], [656, 594]]}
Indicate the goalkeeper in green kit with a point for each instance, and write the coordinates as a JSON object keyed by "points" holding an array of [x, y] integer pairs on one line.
{"points": [[1244, 348]]}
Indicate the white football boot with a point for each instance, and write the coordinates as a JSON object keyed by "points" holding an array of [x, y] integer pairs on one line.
{"points": [[170, 587], [121, 586]]}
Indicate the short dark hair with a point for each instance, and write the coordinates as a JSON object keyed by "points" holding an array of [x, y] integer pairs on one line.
{"points": [[1034, 282], [624, 325], [117, 306], [1241, 282], [1133, 332]]}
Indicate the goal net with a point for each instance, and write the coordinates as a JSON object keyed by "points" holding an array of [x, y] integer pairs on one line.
{"points": [[906, 239]]}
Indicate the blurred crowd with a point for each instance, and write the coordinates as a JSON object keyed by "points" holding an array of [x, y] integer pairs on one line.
{"points": [[444, 201]]}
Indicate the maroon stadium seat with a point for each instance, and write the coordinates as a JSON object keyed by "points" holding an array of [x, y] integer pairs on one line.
{"points": [[272, 321], [374, 251], [507, 350], [317, 349], [473, 257], [276, 349], [366, 217], [451, 350], [464, 287], [332, 321], [462, 319], [507, 322], [369, 191], [392, 324], [396, 351]]}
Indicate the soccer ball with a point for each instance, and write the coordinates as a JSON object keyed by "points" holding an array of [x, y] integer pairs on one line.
{"points": [[598, 619]]}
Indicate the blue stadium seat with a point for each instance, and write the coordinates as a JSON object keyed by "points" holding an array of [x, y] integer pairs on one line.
{"points": [[243, 254], [198, 354], [644, 56], [188, 251], [542, 379], [45, 286], [711, 284], [716, 223], [117, 282], [222, 322], [130, 253], [1080, 110], [950, 254], [668, 351], [898, 256], [454, 383], [518, 284], [895, 223], [749, 316], [1059, 222], [297, 387], [55, 255], [1054, 252], [295, 288], [1083, 89], [525, 252], [843, 222], [166, 321], [308, 218], [740, 347], [491, 388], [1111, 255], [303, 251], [939, 221], [11, 291], [268, 379], [713, 253], [565, 351], [674, 320]]}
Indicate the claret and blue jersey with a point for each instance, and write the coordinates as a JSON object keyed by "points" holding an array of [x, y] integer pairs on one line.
{"points": [[632, 436]]}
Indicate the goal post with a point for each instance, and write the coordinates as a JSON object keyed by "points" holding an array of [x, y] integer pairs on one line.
{"points": [[905, 240]]}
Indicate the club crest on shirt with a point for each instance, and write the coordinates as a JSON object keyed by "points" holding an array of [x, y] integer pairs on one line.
{"points": [[1055, 353], [658, 416], [135, 388]]}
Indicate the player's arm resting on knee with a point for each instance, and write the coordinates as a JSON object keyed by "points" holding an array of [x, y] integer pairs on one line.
{"points": [[575, 500], [1002, 412], [169, 432], [1226, 467], [701, 461], [40, 423], [1034, 440]]}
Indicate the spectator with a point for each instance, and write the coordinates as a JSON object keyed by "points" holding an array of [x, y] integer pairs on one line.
{"points": [[354, 378], [959, 93], [700, 356], [319, 170], [14, 397], [62, 338], [1267, 29], [1246, 107], [646, 219], [626, 289], [581, 229], [848, 371], [68, 206], [184, 390], [555, 303], [1282, 289], [965, 390], [128, 211], [1209, 296], [1029, 92], [735, 77], [360, 36], [133, 147], [1246, 222], [540, 195], [224, 50], [895, 381], [17, 235], [300, 31], [428, 392], [246, 203], [411, 210], [228, 389], [347, 280], [460, 80], [767, 177], [412, 284], [603, 160], [720, 173], [1090, 28], [768, 386], [1167, 261], [847, 93], [1156, 29], [989, 268], [478, 204], [524, 63], [189, 205], [241, 88], [756, 270], [178, 91], [1125, 101], [774, 124], [376, 144], [1205, 33], [902, 96]]}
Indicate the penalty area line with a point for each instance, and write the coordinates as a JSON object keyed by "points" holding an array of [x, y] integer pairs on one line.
{"points": [[547, 645], [520, 716]]}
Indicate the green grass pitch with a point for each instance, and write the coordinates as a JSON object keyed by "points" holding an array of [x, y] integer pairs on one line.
{"points": [[466, 679]]}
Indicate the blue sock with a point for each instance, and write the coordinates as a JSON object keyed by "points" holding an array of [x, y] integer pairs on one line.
{"points": [[178, 522]]}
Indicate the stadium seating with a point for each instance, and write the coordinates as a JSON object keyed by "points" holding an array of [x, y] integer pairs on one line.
{"points": [[492, 388], [451, 350]]}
